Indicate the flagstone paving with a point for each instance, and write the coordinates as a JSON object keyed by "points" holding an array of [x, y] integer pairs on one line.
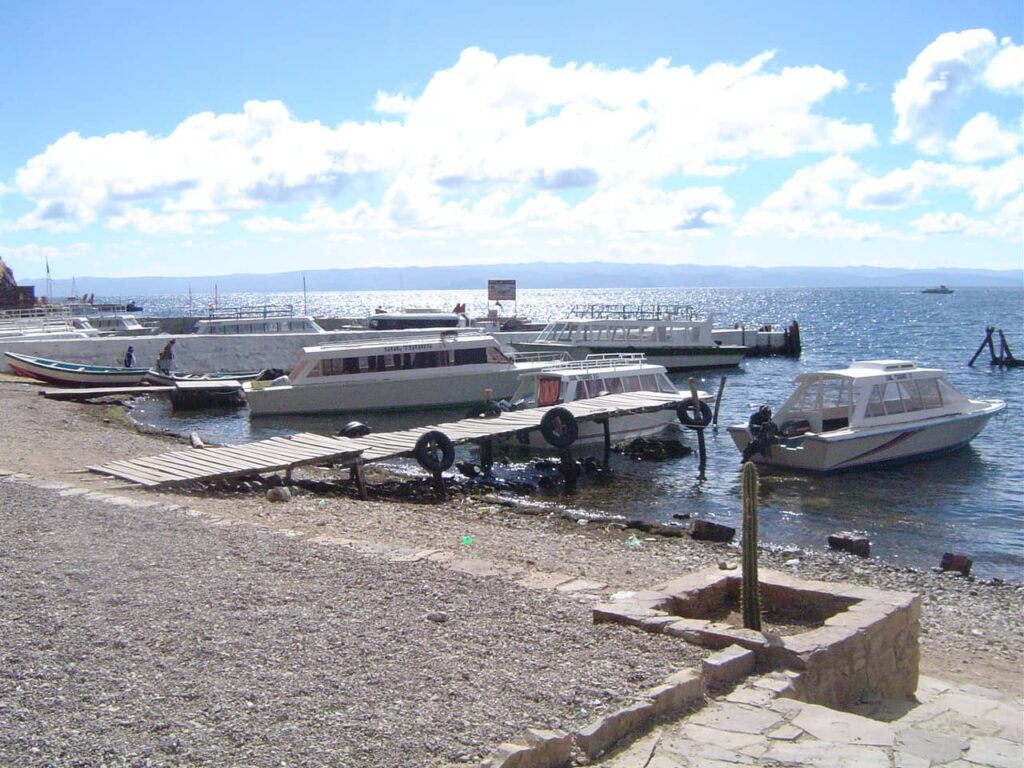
{"points": [[946, 727]]}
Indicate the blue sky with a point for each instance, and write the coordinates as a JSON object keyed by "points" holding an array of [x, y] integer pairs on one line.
{"points": [[212, 138]]}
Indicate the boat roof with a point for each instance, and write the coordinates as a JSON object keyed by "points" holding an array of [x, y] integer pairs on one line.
{"points": [[621, 364], [445, 339], [871, 369]]}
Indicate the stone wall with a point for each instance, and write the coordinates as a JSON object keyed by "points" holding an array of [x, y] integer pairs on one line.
{"points": [[865, 647]]}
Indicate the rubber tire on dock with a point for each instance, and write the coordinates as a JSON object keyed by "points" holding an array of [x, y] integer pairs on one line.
{"points": [[354, 429], [559, 427], [434, 451], [694, 417]]}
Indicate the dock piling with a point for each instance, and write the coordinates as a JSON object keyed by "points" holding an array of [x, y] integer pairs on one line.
{"points": [[718, 400], [701, 448]]}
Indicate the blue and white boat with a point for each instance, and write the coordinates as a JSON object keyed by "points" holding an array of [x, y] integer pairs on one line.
{"points": [[74, 374], [874, 412]]}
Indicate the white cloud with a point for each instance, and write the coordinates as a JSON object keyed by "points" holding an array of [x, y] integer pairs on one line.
{"points": [[41, 254], [982, 138], [940, 77], [1006, 70], [487, 129], [806, 205]]}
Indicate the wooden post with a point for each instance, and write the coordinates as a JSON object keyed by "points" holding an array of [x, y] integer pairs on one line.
{"points": [[606, 424], [567, 466], [718, 400], [439, 485], [355, 474], [987, 340], [487, 454], [701, 448]]}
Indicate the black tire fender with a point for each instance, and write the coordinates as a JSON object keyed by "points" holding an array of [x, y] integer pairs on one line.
{"points": [[693, 415], [354, 429], [434, 451], [559, 427]]}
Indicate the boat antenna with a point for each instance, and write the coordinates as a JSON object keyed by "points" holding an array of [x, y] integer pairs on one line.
{"points": [[305, 309]]}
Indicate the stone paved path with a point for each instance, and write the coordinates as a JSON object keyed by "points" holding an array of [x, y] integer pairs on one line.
{"points": [[948, 727]]}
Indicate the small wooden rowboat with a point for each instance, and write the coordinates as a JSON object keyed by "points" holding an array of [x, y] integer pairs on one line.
{"points": [[74, 374], [159, 378]]}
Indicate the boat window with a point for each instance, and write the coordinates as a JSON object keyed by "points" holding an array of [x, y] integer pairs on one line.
{"points": [[547, 391], [665, 385], [836, 393], [631, 383], [875, 407], [471, 356], [613, 386], [429, 359], [931, 395], [807, 401], [648, 383], [911, 395], [891, 398], [495, 355], [582, 391]]}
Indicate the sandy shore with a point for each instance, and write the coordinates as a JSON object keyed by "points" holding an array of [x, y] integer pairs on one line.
{"points": [[972, 631]]}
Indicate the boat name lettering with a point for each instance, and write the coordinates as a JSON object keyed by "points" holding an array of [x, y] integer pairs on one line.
{"points": [[407, 348]]}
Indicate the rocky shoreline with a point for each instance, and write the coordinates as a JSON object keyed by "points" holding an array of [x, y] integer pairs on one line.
{"points": [[972, 630]]}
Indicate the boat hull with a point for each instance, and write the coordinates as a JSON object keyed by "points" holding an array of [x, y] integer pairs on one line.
{"points": [[397, 390], [623, 429], [848, 449], [73, 374], [672, 358]]}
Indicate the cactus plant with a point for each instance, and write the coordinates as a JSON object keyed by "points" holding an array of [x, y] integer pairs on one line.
{"points": [[750, 594]]}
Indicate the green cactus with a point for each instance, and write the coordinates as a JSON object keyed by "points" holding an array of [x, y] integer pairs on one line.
{"points": [[750, 594]]}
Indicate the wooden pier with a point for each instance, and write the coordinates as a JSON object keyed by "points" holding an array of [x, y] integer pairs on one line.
{"points": [[286, 453], [186, 394]]}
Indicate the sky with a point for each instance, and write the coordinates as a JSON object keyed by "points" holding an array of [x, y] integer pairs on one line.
{"points": [[216, 137]]}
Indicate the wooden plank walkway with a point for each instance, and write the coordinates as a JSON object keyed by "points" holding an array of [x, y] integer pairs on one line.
{"points": [[286, 453], [87, 393]]}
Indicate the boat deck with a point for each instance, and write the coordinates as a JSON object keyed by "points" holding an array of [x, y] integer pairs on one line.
{"points": [[286, 453]]}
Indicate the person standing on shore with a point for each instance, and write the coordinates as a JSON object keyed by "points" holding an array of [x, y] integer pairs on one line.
{"points": [[129, 357], [165, 362]]}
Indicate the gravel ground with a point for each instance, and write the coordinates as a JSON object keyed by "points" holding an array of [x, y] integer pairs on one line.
{"points": [[171, 607], [149, 634]]}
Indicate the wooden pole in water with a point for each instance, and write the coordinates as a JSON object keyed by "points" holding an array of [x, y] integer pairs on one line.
{"points": [[606, 424], [701, 449], [988, 340], [718, 400]]}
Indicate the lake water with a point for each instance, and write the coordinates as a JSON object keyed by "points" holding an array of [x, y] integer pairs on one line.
{"points": [[970, 502]]}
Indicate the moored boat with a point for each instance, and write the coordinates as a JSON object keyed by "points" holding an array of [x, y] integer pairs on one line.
{"points": [[597, 376], [447, 368], [73, 374], [668, 335], [874, 412], [160, 378], [940, 289]]}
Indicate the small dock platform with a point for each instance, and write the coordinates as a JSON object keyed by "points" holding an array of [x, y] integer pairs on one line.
{"points": [[287, 453]]}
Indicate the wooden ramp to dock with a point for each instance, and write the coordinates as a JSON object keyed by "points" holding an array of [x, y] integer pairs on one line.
{"points": [[286, 453], [88, 393]]}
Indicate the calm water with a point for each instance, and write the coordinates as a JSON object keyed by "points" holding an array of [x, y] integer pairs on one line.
{"points": [[969, 502]]}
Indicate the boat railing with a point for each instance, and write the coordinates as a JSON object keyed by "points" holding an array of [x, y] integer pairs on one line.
{"points": [[633, 311], [537, 357], [45, 317], [251, 312], [609, 360], [444, 334]]}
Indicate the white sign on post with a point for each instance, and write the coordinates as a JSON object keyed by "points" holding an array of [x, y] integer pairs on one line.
{"points": [[501, 290]]}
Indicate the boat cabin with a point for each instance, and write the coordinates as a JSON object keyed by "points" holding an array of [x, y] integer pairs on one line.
{"points": [[396, 321], [588, 331], [594, 376], [262, 319], [448, 348], [868, 393]]}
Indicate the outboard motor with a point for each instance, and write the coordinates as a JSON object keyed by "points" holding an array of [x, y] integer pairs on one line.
{"points": [[763, 432]]}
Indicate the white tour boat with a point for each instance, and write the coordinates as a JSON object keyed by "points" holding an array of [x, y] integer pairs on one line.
{"points": [[874, 412], [269, 318], [668, 335], [447, 368], [596, 376]]}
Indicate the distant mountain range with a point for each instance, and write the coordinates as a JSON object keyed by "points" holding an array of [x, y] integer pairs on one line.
{"points": [[540, 275]]}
